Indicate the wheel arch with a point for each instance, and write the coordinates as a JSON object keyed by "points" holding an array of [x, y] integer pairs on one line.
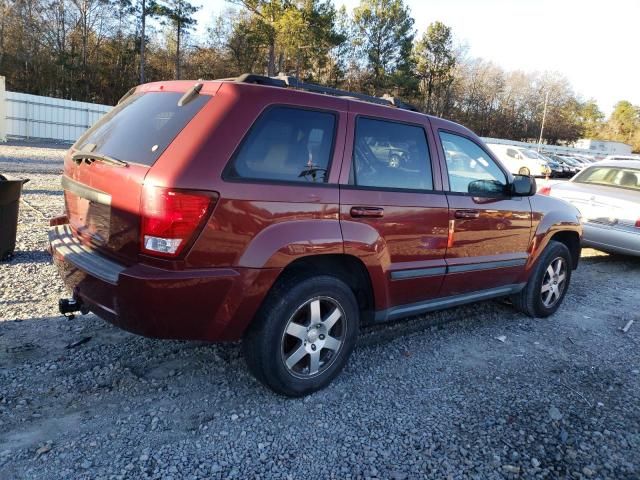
{"points": [[571, 240], [348, 268]]}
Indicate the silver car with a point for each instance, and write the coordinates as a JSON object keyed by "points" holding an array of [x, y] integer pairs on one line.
{"points": [[607, 193]]}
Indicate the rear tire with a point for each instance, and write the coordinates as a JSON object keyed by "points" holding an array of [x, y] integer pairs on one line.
{"points": [[544, 292], [303, 334]]}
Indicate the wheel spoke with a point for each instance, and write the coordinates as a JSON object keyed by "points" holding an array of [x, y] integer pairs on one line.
{"points": [[561, 278], [315, 312], [545, 288], [332, 319], [558, 266], [550, 271], [314, 362], [332, 343], [295, 357], [297, 330]]}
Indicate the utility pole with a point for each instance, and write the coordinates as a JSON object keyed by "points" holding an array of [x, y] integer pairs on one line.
{"points": [[544, 116]]}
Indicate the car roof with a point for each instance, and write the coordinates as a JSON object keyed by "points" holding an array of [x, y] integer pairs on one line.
{"points": [[635, 164]]}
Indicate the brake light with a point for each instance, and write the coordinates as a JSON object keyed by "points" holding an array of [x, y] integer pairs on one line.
{"points": [[545, 190], [170, 218], [638, 223]]}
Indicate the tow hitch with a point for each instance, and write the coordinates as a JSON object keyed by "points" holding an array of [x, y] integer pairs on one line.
{"points": [[69, 306]]}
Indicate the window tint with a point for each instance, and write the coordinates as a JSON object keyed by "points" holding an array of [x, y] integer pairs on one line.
{"points": [[391, 155], [467, 162], [287, 144], [142, 127]]}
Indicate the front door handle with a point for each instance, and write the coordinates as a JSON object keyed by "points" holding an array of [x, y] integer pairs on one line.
{"points": [[375, 212], [467, 214]]}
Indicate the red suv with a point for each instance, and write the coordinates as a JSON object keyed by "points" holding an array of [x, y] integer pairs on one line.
{"points": [[287, 215]]}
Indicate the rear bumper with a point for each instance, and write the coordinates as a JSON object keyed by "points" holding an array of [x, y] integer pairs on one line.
{"points": [[212, 304], [611, 239]]}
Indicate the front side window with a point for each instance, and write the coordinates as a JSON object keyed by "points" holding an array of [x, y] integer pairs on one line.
{"points": [[610, 177], [391, 155], [468, 163], [286, 144]]}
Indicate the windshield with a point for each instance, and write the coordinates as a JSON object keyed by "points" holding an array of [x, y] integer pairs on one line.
{"points": [[142, 127], [529, 154], [611, 176]]}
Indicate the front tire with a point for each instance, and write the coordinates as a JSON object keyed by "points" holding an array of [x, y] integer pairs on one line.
{"points": [[547, 286], [303, 335]]}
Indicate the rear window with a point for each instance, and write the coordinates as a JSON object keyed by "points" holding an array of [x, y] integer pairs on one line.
{"points": [[611, 177], [286, 144], [142, 127]]}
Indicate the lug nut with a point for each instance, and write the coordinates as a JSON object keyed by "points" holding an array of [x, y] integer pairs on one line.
{"points": [[313, 347], [321, 337]]}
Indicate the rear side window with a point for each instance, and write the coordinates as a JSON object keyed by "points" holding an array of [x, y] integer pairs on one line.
{"points": [[142, 127], [286, 144], [391, 155]]}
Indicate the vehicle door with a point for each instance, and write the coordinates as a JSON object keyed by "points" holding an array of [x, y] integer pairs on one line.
{"points": [[393, 214], [489, 233]]}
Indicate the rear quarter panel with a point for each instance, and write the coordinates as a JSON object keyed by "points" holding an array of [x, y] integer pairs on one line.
{"points": [[259, 224]]}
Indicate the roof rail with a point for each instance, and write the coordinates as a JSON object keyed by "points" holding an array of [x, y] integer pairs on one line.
{"points": [[285, 81]]}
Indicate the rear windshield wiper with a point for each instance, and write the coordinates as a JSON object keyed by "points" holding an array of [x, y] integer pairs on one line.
{"points": [[190, 95], [91, 157]]}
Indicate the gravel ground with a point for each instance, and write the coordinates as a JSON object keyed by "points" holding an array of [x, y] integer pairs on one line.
{"points": [[473, 392]]}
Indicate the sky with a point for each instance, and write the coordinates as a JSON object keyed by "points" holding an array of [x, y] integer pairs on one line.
{"points": [[595, 44]]}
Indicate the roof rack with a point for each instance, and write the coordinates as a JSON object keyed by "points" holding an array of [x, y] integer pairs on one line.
{"points": [[285, 81]]}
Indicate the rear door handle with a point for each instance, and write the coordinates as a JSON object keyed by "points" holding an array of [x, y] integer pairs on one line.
{"points": [[467, 214], [375, 212]]}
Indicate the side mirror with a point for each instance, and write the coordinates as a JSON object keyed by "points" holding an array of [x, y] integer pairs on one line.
{"points": [[523, 186], [487, 188]]}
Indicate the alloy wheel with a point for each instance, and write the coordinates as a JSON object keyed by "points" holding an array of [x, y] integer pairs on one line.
{"points": [[554, 282], [313, 337]]}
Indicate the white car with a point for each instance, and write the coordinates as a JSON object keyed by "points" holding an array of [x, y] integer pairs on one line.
{"points": [[522, 161]]}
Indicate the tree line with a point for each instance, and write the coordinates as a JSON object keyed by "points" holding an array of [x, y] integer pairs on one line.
{"points": [[95, 50]]}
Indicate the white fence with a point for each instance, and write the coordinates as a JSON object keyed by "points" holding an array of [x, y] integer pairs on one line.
{"points": [[26, 116]]}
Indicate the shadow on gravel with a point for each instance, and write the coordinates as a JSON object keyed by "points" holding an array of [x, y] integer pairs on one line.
{"points": [[35, 256], [43, 192]]}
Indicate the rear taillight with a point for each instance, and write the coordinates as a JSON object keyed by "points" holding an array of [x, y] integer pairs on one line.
{"points": [[545, 191], [170, 218], [638, 223]]}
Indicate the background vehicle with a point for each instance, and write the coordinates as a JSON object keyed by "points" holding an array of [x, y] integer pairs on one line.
{"points": [[520, 160], [607, 194], [254, 209], [622, 157], [557, 170], [571, 167]]}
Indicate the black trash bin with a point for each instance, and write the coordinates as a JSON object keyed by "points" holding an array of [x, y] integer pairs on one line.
{"points": [[10, 191]]}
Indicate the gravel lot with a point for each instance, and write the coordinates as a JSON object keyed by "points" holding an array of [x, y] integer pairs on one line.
{"points": [[436, 397]]}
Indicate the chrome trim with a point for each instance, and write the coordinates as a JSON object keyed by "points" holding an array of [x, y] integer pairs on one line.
{"points": [[86, 192]]}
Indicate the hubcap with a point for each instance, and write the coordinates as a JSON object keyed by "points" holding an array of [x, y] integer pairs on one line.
{"points": [[553, 282], [313, 337]]}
